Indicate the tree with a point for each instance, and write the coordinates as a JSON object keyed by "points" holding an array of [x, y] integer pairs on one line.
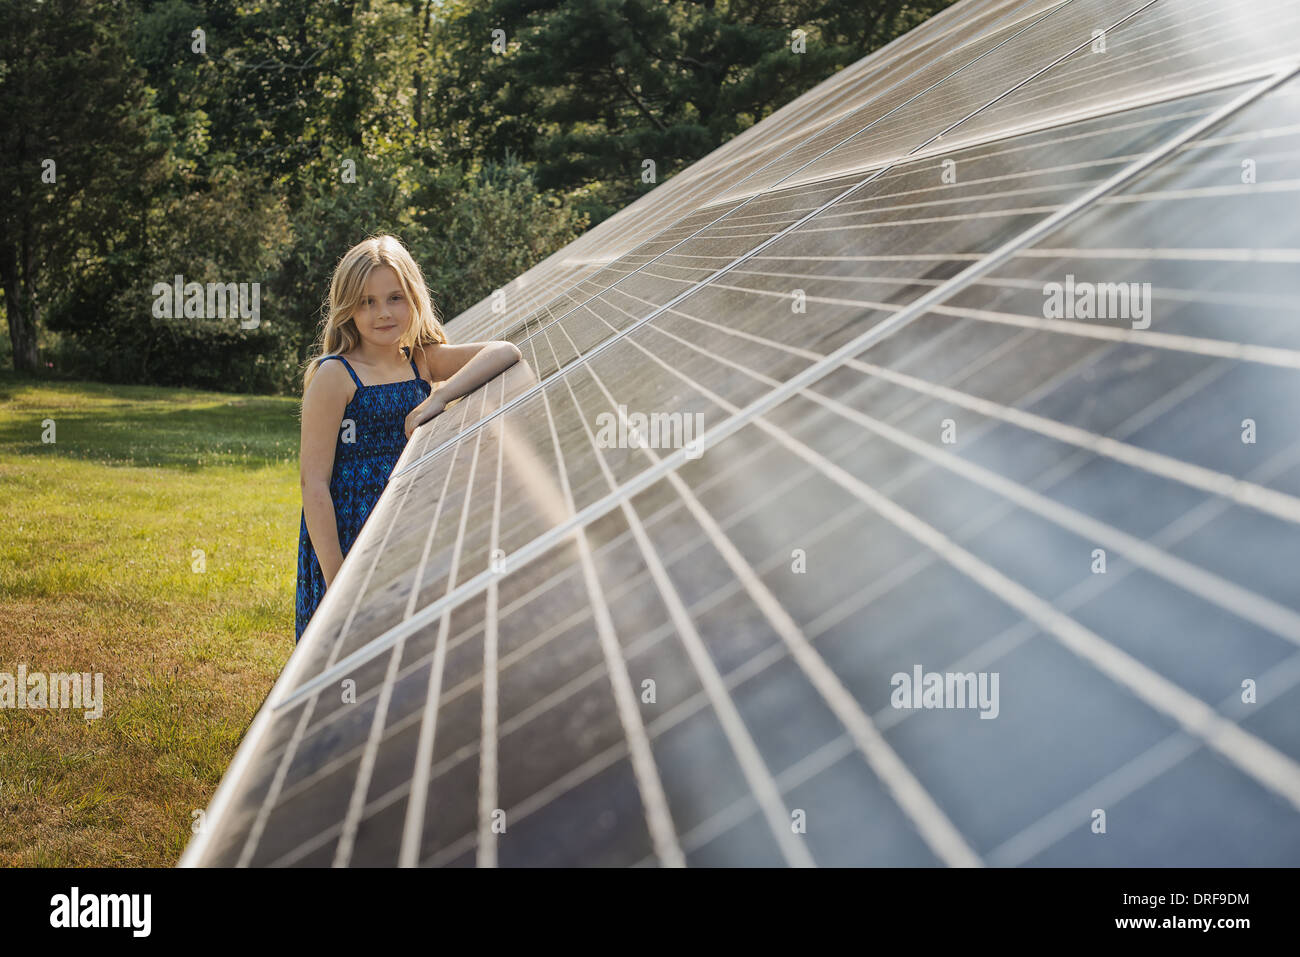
{"points": [[586, 90], [78, 132]]}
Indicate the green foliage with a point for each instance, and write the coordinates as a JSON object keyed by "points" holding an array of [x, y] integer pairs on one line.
{"points": [[236, 142], [495, 226], [588, 89]]}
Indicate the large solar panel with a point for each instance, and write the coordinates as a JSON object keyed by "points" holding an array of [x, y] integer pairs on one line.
{"points": [[993, 339]]}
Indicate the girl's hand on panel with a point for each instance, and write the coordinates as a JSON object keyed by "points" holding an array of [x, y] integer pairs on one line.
{"points": [[422, 413]]}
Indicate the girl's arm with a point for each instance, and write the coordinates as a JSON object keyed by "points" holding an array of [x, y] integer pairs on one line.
{"points": [[462, 368], [322, 417]]}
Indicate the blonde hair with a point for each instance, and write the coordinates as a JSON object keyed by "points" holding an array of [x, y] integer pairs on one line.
{"points": [[339, 331]]}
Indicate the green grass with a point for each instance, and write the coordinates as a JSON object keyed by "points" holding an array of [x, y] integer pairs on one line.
{"points": [[98, 539]]}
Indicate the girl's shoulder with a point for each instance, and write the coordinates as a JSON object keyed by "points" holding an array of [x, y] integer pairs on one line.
{"points": [[336, 378]]}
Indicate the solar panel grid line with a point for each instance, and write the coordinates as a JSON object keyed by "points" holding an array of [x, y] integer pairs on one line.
{"points": [[554, 273], [535, 291], [488, 763], [1137, 773], [592, 353], [1195, 34], [933, 825], [417, 800], [848, 205], [754, 768], [654, 801], [803, 771], [1027, 171], [361, 784], [1044, 480], [557, 285], [413, 821], [1033, 76], [1203, 192], [1261, 301], [1246, 136], [1277, 356], [254, 835], [1012, 138], [1171, 293], [542, 798], [1242, 602], [1189, 255], [858, 344], [1064, 120], [658, 817], [795, 225], [1280, 505]]}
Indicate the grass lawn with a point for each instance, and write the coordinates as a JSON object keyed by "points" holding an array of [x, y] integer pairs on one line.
{"points": [[98, 533]]}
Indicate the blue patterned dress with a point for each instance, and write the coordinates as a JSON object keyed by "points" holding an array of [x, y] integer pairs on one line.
{"points": [[361, 470]]}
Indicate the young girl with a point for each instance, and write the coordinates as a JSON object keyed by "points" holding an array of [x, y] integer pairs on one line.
{"points": [[359, 411]]}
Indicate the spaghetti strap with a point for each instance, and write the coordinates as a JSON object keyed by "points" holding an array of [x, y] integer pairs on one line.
{"points": [[348, 365], [415, 368]]}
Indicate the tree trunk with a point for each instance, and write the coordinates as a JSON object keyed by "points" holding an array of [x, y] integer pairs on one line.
{"points": [[21, 311]]}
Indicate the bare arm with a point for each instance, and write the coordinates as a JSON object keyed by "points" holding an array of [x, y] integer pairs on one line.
{"points": [[322, 416], [462, 368]]}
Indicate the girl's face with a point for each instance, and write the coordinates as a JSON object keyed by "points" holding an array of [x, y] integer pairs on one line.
{"points": [[383, 313]]}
